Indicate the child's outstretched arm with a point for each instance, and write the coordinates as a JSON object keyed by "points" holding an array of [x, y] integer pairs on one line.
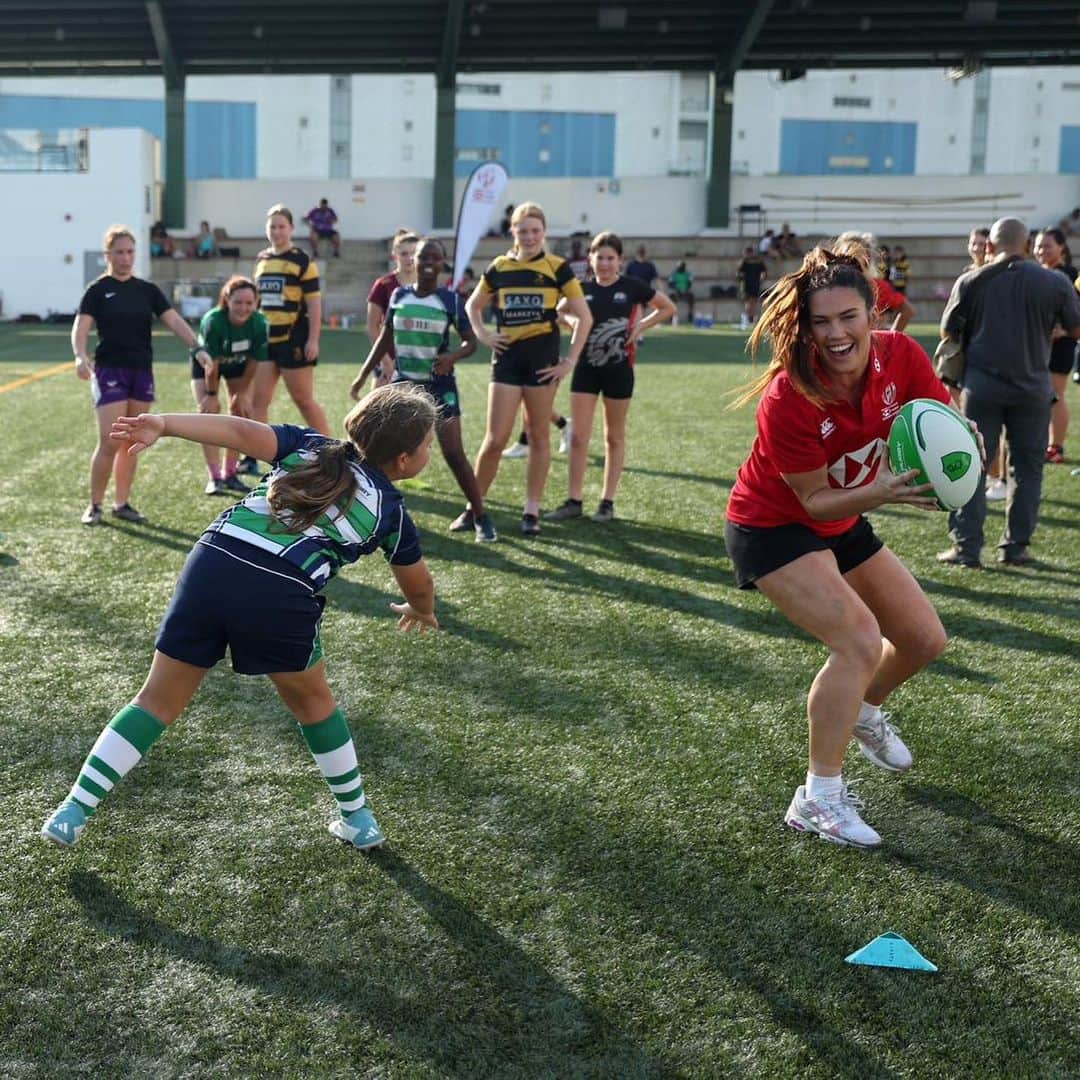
{"points": [[418, 611], [234, 432], [380, 349]]}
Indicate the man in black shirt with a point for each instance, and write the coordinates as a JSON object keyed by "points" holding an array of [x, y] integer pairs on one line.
{"points": [[1003, 314], [750, 273]]}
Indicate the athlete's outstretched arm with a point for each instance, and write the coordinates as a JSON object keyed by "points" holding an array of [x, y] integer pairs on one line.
{"points": [[233, 432]]}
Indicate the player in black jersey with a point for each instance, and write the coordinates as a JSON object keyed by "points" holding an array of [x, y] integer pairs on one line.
{"points": [[607, 367]]}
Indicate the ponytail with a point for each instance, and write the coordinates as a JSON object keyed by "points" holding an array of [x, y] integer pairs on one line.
{"points": [[299, 498], [785, 323], [391, 421]]}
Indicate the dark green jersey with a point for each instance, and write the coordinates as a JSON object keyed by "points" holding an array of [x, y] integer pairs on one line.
{"points": [[234, 344]]}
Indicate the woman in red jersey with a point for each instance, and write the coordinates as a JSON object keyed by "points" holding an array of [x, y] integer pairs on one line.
{"points": [[795, 524]]}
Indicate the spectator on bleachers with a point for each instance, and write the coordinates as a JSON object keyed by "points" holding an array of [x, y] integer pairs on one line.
{"points": [[642, 267], [322, 221], [750, 274], [161, 243], [680, 282], [787, 243], [204, 246], [767, 245], [504, 225]]}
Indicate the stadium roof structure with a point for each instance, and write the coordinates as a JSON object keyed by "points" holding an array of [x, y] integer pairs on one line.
{"points": [[177, 38], [230, 37]]}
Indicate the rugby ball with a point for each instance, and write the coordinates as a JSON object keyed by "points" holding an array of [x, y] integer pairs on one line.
{"points": [[937, 441]]}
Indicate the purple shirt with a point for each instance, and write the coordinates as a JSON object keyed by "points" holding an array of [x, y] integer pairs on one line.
{"points": [[322, 219]]}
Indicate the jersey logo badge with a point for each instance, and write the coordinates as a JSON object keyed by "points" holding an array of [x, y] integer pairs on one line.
{"points": [[619, 298], [109, 295], [891, 406], [828, 426], [539, 279], [858, 467]]}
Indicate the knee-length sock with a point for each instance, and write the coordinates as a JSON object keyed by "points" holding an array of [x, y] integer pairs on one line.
{"points": [[119, 748], [332, 747]]}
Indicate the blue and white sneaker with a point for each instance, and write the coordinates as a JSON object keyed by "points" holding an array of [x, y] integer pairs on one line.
{"points": [[65, 825], [359, 829]]}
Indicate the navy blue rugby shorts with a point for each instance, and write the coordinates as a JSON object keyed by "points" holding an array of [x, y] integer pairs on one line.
{"points": [[269, 622]]}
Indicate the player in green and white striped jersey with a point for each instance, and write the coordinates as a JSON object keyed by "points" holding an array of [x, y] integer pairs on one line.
{"points": [[417, 332]]}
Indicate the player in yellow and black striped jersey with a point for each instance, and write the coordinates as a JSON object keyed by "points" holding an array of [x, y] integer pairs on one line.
{"points": [[527, 284], [288, 282]]}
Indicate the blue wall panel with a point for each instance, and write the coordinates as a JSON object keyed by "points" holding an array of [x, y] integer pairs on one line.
{"points": [[220, 134], [538, 143], [1069, 161], [822, 147]]}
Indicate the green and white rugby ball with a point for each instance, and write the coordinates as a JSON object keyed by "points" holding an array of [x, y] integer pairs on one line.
{"points": [[937, 441]]}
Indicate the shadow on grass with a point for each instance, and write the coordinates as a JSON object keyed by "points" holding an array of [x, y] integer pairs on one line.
{"points": [[158, 535], [719, 481], [522, 1013], [1047, 889], [1031, 604], [8, 560]]}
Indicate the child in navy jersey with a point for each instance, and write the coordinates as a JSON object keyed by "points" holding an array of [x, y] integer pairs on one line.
{"points": [[252, 582]]}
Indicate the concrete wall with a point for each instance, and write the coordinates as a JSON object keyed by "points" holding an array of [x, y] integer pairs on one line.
{"points": [[663, 206], [55, 218]]}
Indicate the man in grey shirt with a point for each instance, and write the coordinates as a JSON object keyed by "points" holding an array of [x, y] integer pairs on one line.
{"points": [[1003, 314]]}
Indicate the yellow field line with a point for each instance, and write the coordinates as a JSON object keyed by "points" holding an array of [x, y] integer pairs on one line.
{"points": [[66, 366]]}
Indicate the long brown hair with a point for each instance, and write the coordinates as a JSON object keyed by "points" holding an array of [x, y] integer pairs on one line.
{"points": [[391, 421], [785, 322]]}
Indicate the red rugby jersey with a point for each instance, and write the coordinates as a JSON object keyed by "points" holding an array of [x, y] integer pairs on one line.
{"points": [[795, 436]]}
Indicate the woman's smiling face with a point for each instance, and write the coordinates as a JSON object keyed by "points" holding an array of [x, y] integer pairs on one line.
{"points": [[840, 330]]}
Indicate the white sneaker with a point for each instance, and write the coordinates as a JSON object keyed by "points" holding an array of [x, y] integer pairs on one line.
{"points": [[564, 440], [518, 450], [834, 818], [880, 743], [996, 490]]}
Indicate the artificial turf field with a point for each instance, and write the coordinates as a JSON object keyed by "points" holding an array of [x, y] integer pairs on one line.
{"points": [[582, 779]]}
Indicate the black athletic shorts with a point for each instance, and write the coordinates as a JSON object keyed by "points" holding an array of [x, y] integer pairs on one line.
{"points": [[234, 369], [1062, 356], [614, 381], [756, 552], [268, 621], [290, 353], [518, 364]]}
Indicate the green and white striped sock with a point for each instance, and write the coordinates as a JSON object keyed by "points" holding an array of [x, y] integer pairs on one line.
{"points": [[332, 747], [119, 748]]}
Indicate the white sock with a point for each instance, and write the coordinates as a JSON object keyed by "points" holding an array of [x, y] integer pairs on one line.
{"points": [[828, 786], [868, 712]]}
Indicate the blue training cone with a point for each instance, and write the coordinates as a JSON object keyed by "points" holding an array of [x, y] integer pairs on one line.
{"points": [[890, 950]]}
